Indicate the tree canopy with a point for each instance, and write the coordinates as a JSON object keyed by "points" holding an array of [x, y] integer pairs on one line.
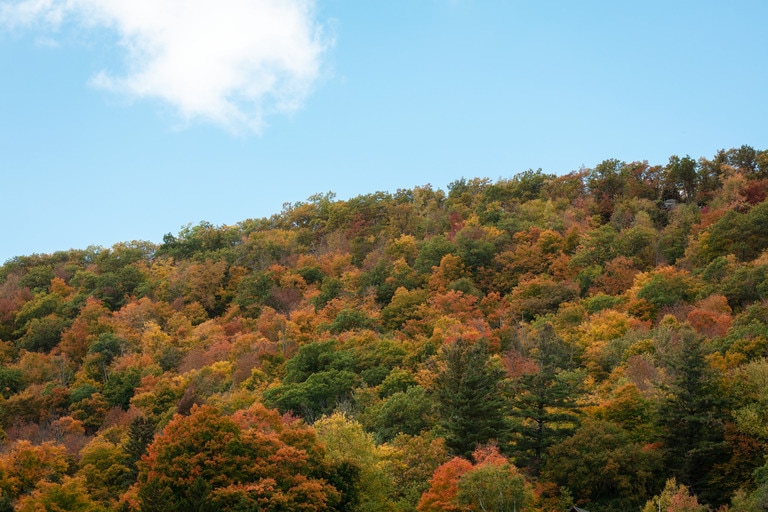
{"points": [[596, 339]]}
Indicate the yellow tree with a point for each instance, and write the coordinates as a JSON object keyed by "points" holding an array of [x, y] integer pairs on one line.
{"points": [[347, 443]]}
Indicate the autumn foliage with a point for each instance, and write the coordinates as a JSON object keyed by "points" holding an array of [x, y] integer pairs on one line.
{"points": [[596, 339]]}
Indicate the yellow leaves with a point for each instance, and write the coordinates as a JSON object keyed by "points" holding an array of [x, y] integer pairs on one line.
{"points": [[71, 492], [350, 279], [156, 396], [264, 247], [292, 281], [743, 349], [346, 441], [153, 339], [204, 282], [404, 247], [425, 378], [61, 288], [129, 323], [605, 325], [306, 261], [674, 498], [37, 367], [451, 268], [726, 362], [594, 336], [162, 276], [213, 378], [642, 346], [662, 273]]}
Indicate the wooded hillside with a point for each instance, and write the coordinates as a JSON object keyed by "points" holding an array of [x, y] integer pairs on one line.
{"points": [[597, 338]]}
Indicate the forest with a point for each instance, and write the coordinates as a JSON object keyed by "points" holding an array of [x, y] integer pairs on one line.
{"points": [[596, 339]]}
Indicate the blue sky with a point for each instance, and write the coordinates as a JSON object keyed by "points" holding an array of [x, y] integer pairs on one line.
{"points": [[126, 119]]}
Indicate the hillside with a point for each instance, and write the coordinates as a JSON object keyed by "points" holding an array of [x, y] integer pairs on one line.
{"points": [[597, 339]]}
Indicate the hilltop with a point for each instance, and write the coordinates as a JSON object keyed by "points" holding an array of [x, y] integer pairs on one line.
{"points": [[597, 338]]}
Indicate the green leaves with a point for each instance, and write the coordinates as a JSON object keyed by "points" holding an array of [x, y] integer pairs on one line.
{"points": [[469, 392]]}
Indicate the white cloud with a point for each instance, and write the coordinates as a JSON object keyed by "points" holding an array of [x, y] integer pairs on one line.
{"points": [[227, 61]]}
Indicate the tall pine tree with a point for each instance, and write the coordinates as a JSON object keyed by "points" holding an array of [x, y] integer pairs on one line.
{"points": [[544, 401], [691, 418], [469, 389]]}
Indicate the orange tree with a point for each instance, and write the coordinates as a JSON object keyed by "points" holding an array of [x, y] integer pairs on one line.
{"points": [[254, 460]]}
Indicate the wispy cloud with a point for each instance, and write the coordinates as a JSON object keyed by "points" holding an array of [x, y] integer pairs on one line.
{"points": [[227, 61]]}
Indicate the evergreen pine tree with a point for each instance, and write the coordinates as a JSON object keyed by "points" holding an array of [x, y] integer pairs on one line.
{"points": [[141, 433], [693, 429], [544, 402], [470, 396]]}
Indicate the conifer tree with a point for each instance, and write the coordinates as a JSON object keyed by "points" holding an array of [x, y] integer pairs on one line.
{"points": [[470, 396], [544, 401], [141, 432], [690, 418]]}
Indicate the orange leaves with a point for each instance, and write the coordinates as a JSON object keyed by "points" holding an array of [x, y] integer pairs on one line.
{"points": [[492, 482], [517, 364], [617, 277], [92, 320], [711, 316], [450, 269], [489, 454], [444, 486], [253, 456], [535, 252], [24, 466]]}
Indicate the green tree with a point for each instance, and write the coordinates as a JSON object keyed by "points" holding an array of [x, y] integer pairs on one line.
{"points": [[755, 500], [11, 381], [431, 252], [543, 404], [604, 468], [668, 286], [404, 412], [318, 395], [120, 387], [606, 183], [42, 334], [470, 396], [405, 305], [494, 486], [682, 178], [141, 433], [690, 416], [346, 442], [745, 235], [105, 467]]}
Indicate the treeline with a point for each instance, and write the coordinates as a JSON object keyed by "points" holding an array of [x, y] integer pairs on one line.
{"points": [[597, 338]]}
